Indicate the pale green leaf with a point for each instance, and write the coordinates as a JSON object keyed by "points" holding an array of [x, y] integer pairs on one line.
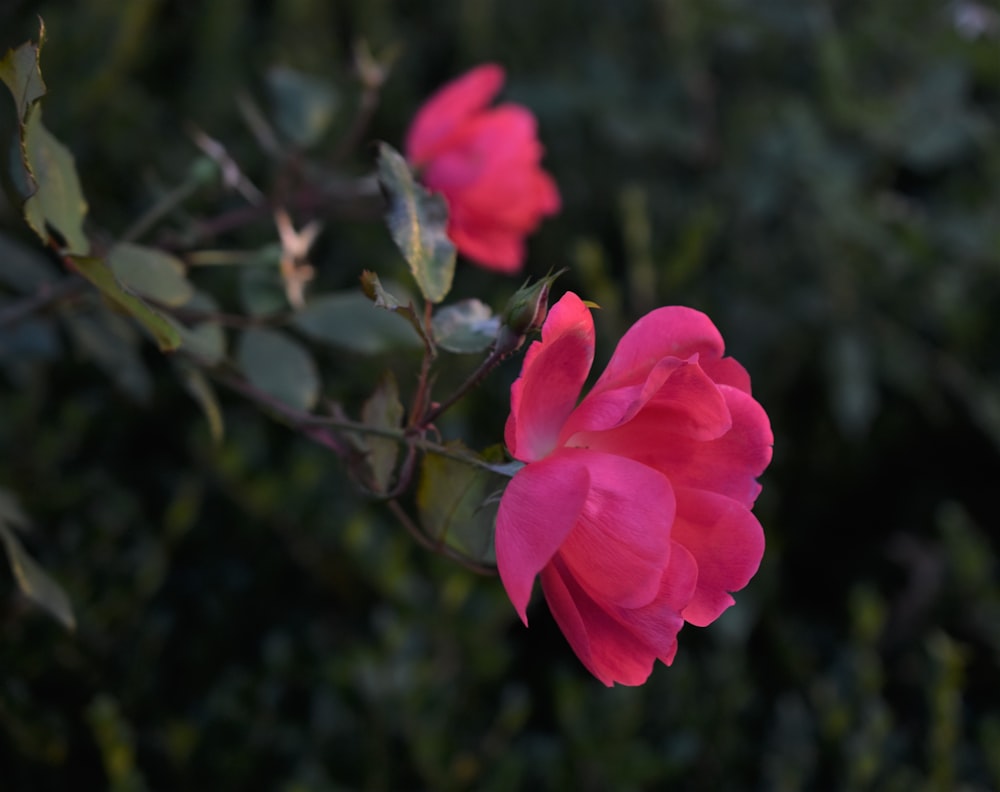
{"points": [[204, 339], [98, 273], [41, 169], [457, 502], [201, 391], [19, 71], [57, 201], [418, 222], [383, 410], [279, 366], [262, 290], [151, 273], [34, 582], [304, 105], [350, 321], [468, 326]]}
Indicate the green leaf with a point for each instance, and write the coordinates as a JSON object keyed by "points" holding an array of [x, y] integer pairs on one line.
{"points": [[204, 339], [42, 171], [350, 321], [457, 502], [417, 221], [19, 71], [279, 366], [201, 391], [151, 273], [98, 273], [262, 291], [57, 201], [33, 581], [304, 105], [383, 410], [468, 327]]}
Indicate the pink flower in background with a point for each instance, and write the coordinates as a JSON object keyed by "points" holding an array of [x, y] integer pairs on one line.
{"points": [[485, 161], [634, 505]]}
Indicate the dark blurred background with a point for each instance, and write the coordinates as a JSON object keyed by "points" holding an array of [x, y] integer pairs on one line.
{"points": [[822, 178]]}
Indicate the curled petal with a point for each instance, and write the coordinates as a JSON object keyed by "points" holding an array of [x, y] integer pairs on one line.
{"points": [[553, 373], [672, 331], [611, 652], [727, 371], [676, 394], [728, 465], [727, 543], [620, 645]]}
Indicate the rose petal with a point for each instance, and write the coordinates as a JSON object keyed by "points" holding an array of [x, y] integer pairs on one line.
{"points": [[621, 542], [538, 509], [609, 650], [677, 394], [447, 109], [727, 543], [552, 375], [672, 331], [494, 247], [728, 465], [658, 623], [727, 371], [622, 644]]}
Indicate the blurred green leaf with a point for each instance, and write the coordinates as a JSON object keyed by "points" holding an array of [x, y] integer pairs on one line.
{"points": [[350, 321], [201, 391], [417, 221], [279, 366], [19, 71], [262, 291], [458, 504], [151, 273], [467, 326], [116, 740], [42, 170], [57, 200], [203, 338], [98, 273], [33, 581], [382, 410], [304, 105]]}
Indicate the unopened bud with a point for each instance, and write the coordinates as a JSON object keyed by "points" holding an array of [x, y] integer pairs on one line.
{"points": [[525, 313]]}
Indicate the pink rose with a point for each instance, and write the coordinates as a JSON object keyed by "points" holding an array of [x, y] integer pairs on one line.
{"points": [[485, 161], [634, 505]]}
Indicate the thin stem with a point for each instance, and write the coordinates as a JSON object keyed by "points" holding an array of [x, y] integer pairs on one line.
{"points": [[304, 420], [422, 395], [145, 222], [490, 363], [368, 105]]}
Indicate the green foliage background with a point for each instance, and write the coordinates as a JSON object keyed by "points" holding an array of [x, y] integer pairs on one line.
{"points": [[823, 178]]}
